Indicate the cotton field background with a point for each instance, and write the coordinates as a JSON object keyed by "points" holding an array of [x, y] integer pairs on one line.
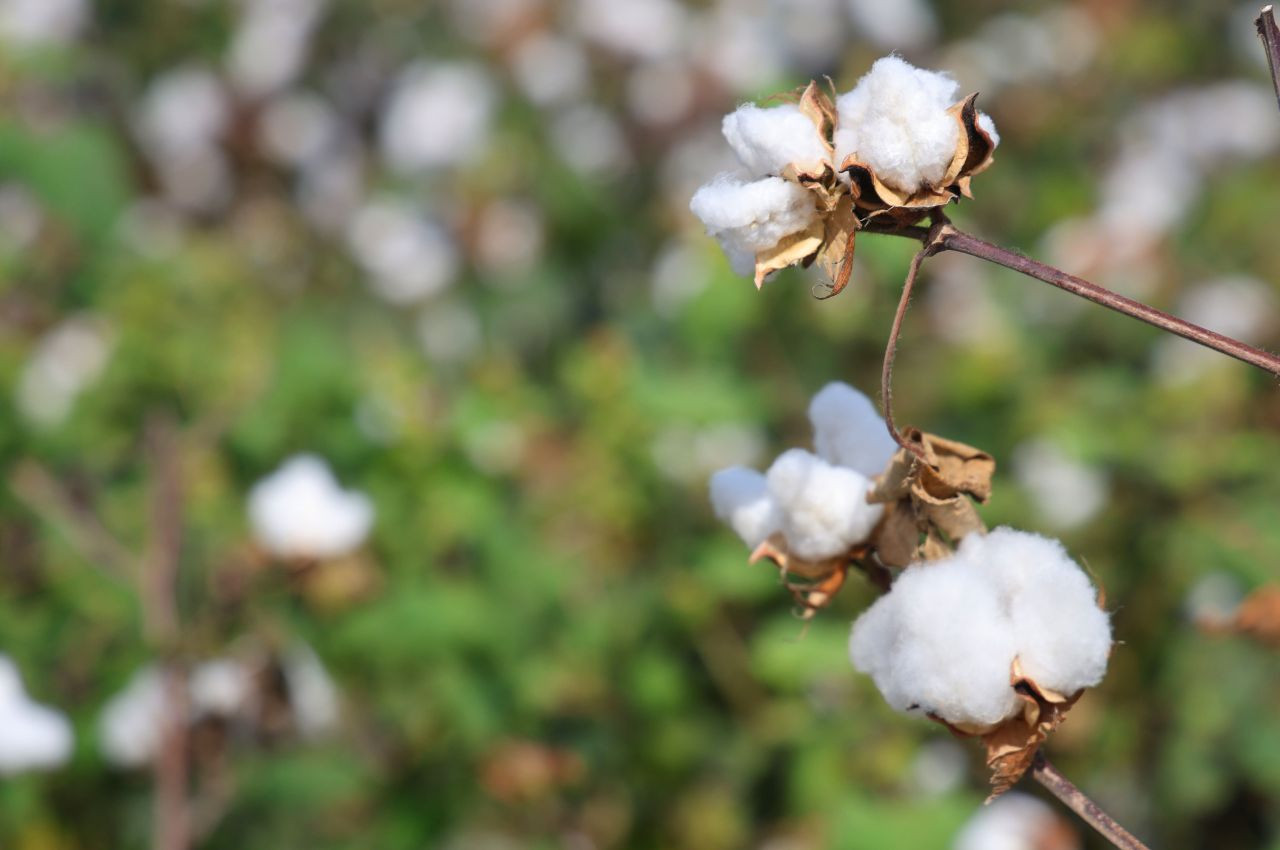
{"points": [[364, 370]]}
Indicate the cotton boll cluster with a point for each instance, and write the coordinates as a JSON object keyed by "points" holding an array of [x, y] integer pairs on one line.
{"points": [[300, 511], [944, 640], [32, 736], [818, 503], [180, 122], [1016, 821], [895, 120], [242, 691], [437, 116], [898, 124]]}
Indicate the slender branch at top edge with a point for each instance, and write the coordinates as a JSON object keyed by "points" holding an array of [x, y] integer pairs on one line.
{"points": [[1076, 800], [954, 240], [1270, 35]]}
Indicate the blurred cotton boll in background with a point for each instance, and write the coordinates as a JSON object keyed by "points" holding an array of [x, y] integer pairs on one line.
{"points": [[1017, 821], [550, 69], [269, 48], [32, 736], [313, 697], [437, 116], [66, 360], [180, 123], [1239, 307], [39, 23], [642, 29], [1064, 492], [900, 25], [130, 724], [295, 128], [408, 257], [590, 140], [300, 511]]}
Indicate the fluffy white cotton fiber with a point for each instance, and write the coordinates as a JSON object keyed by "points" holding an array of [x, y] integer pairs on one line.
{"points": [[848, 431], [895, 121], [752, 216], [823, 508], [1063, 637], [740, 497], [767, 140], [944, 639]]}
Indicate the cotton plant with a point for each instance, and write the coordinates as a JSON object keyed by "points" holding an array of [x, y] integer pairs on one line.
{"points": [[994, 634], [33, 737], [814, 172]]}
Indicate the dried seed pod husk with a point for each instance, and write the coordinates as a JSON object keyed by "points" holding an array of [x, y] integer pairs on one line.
{"points": [[929, 496]]}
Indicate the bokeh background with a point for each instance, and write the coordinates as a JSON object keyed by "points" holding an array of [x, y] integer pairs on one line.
{"points": [[445, 246]]}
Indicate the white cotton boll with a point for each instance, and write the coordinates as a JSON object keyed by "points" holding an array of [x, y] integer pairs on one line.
{"points": [[183, 110], [590, 140], [1063, 637], [848, 431], [38, 23], [767, 140], [408, 257], [823, 508], [740, 497], [1016, 821], [270, 44], [437, 115], [221, 687], [550, 69], [645, 29], [65, 362], [130, 725], [1064, 492], [301, 511], [295, 128], [895, 121], [900, 25], [749, 217], [312, 693], [32, 736], [939, 643]]}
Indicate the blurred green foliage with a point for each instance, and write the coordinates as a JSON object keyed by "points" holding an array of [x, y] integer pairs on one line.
{"points": [[574, 590]]}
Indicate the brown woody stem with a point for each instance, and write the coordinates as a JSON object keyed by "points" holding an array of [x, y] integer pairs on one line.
{"points": [[1270, 35], [955, 240], [1076, 800]]}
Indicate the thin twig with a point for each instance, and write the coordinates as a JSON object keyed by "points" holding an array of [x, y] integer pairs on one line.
{"points": [[975, 247], [1270, 35], [158, 590], [1076, 800], [964, 243], [49, 499], [934, 239]]}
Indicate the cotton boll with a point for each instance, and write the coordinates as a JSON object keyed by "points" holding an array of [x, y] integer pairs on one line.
{"points": [[130, 725], [221, 687], [270, 44], [749, 217], [645, 29], [767, 140], [550, 69], [312, 693], [64, 363], [32, 736], [895, 120], [438, 115], [939, 643], [740, 497], [408, 257], [848, 431], [1016, 821], [824, 508], [1063, 637], [38, 23], [1064, 492], [301, 511], [902, 24]]}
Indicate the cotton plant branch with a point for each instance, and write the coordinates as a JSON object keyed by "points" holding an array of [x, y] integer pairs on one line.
{"points": [[1270, 35], [158, 591], [1065, 790]]}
